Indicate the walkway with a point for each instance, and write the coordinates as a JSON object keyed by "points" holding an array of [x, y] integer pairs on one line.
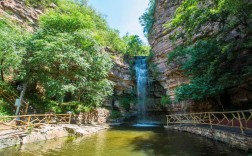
{"points": [[233, 121], [233, 130]]}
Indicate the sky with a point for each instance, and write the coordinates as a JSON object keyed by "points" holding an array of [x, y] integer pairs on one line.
{"points": [[122, 15]]}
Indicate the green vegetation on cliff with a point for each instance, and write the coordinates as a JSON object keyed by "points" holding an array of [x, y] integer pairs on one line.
{"points": [[147, 19], [40, 3], [221, 58], [12, 39]]}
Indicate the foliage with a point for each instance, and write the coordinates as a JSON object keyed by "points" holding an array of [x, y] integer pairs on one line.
{"points": [[115, 114], [147, 19], [126, 101], [166, 100], [11, 47], [74, 106], [152, 67], [5, 108], [65, 57], [135, 46], [211, 68], [192, 17], [217, 61]]}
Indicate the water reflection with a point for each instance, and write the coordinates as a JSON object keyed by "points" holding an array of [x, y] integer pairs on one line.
{"points": [[127, 141]]}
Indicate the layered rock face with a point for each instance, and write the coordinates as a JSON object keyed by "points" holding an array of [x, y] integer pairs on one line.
{"points": [[18, 11], [170, 76], [121, 76]]}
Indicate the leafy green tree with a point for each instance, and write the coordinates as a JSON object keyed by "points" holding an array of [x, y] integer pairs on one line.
{"points": [[64, 56], [135, 46]]}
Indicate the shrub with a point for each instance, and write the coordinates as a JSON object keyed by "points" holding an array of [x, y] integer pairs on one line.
{"points": [[166, 100], [115, 114]]}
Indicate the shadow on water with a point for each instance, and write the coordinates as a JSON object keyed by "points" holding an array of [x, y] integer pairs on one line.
{"points": [[173, 143]]}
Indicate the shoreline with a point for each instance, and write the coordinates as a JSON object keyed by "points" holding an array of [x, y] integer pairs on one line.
{"points": [[13, 137], [239, 141]]}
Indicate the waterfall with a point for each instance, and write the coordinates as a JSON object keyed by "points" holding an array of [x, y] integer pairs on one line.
{"points": [[142, 79]]}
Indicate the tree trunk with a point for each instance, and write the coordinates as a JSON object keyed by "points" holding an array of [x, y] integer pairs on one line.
{"points": [[2, 72], [218, 99]]}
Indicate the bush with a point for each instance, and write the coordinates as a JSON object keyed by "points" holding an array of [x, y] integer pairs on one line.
{"points": [[126, 101], [166, 100], [5, 109], [115, 114], [147, 19]]}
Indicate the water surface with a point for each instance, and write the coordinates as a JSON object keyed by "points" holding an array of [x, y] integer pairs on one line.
{"points": [[128, 141]]}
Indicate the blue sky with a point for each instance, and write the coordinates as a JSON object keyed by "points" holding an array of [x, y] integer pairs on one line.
{"points": [[122, 14]]}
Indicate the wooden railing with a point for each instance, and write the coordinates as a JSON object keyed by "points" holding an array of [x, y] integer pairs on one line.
{"points": [[237, 119], [25, 121]]}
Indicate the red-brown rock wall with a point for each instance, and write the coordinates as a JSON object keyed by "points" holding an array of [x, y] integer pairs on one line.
{"points": [[170, 76]]}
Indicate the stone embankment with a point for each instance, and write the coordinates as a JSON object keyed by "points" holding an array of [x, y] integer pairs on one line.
{"points": [[13, 137], [236, 140]]}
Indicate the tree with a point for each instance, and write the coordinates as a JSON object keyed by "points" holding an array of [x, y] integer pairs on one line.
{"points": [[135, 46], [64, 56]]}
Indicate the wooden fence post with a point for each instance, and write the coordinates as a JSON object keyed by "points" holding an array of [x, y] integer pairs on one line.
{"points": [[70, 115], [241, 125], [209, 116]]}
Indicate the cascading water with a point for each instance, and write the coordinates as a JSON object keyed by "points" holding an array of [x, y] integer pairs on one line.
{"points": [[142, 79]]}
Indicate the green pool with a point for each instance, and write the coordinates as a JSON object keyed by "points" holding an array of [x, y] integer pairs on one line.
{"points": [[127, 141]]}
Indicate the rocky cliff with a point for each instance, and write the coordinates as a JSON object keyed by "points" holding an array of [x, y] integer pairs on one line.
{"points": [[170, 76], [121, 76]]}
